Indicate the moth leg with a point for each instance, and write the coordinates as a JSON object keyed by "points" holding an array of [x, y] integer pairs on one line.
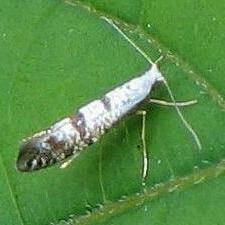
{"points": [[144, 150], [165, 103], [68, 162]]}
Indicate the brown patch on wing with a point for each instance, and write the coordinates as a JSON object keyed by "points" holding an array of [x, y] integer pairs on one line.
{"points": [[78, 123], [55, 145], [59, 147]]}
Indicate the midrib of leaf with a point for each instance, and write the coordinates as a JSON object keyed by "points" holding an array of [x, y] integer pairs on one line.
{"points": [[11, 192], [149, 194], [177, 59]]}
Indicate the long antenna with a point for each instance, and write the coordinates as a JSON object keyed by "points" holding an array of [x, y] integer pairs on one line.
{"points": [[186, 124], [128, 39]]}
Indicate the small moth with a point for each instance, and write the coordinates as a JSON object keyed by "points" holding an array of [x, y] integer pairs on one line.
{"points": [[74, 133]]}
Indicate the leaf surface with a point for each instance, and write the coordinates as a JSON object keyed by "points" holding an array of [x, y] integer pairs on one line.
{"points": [[57, 56]]}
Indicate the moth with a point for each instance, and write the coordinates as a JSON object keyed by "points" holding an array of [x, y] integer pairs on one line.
{"points": [[69, 136]]}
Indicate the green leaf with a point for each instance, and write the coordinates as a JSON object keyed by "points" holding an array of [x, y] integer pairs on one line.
{"points": [[57, 56]]}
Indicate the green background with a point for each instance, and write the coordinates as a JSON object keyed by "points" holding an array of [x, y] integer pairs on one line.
{"points": [[56, 56]]}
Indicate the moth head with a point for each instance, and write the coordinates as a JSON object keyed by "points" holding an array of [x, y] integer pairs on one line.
{"points": [[33, 155]]}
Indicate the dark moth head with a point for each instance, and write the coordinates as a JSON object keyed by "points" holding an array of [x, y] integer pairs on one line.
{"points": [[33, 156]]}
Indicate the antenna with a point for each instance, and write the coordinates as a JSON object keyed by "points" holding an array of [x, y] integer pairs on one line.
{"points": [[186, 124], [128, 39]]}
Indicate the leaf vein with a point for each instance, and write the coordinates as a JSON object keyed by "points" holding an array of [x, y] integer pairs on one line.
{"points": [[11, 192], [149, 194]]}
